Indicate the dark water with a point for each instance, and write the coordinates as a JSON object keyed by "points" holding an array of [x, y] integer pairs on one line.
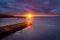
{"points": [[43, 28]]}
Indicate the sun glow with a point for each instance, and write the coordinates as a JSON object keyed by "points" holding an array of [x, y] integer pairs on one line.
{"points": [[29, 16], [29, 19]]}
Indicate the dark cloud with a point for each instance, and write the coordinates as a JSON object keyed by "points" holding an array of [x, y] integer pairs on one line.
{"points": [[18, 6]]}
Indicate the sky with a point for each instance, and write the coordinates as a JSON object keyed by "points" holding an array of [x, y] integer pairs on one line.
{"points": [[19, 6], [43, 28]]}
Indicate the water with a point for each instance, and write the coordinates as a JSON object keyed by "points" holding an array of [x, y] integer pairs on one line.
{"points": [[43, 28]]}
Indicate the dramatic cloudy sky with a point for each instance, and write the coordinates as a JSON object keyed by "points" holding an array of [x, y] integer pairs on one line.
{"points": [[18, 6], [43, 28]]}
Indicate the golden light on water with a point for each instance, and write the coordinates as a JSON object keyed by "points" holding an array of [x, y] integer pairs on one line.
{"points": [[29, 19]]}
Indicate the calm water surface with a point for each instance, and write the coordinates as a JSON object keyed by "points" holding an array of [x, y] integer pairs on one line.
{"points": [[43, 28]]}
